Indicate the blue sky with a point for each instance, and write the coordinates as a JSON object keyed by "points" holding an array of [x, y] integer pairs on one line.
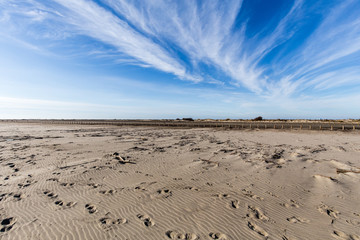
{"points": [[169, 59]]}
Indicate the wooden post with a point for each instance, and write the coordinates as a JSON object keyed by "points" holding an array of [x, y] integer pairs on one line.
{"points": [[320, 127], [310, 127], [250, 126], [300, 126], [282, 126], [343, 128], [331, 128]]}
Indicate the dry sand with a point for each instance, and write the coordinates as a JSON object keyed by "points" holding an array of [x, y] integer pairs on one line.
{"points": [[88, 182]]}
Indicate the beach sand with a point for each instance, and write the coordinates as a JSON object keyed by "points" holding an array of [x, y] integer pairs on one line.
{"points": [[89, 182]]}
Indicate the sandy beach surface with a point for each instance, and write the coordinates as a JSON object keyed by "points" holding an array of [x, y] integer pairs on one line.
{"points": [[89, 182]]}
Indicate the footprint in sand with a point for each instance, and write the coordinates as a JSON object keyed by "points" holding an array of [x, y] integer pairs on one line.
{"points": [[177, 235], [257, 213], [65, 204], [109, 222], [219, 236], [26, 184], [272, 194], [90, 208], [52, 179], [192, 188], [94, 185], [18, 196], [257, 229], [7, 224], [331, 212], [353, 222], [294, 219], [140, 188], [164, 192], [31, 162], [148, 222], [50, 194], [235, 204], [108, 192], [67, 184], [3, 196], [248, 193], [292, 203], [11, 165], [222, 195], [342, 235]]}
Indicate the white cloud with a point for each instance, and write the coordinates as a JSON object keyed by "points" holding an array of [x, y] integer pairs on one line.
{"points": [[96, 22], [327, 56]]}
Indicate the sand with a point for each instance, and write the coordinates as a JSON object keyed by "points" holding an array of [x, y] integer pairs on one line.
{"points": [[89, 182]]}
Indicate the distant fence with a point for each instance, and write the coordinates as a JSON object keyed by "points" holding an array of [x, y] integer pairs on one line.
{"points": [[208, 124]]}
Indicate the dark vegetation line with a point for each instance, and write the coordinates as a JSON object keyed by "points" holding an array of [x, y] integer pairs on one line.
{"points": [[190, 123]]}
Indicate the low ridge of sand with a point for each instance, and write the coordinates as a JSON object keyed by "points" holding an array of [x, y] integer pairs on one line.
{"points": [[88, 182]]}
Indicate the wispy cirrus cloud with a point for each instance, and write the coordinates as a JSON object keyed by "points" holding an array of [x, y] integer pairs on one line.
{"points": [[329, 56], [92, 20], [286, 56]]}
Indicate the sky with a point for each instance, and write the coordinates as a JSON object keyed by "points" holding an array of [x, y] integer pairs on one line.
{"points": [[135, 59]]}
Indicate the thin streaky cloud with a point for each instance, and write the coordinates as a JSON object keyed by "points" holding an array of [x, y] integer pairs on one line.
{"points": [[94, 21]]}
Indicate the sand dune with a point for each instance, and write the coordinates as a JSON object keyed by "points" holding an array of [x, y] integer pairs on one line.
{"points": [[88, 182]]}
